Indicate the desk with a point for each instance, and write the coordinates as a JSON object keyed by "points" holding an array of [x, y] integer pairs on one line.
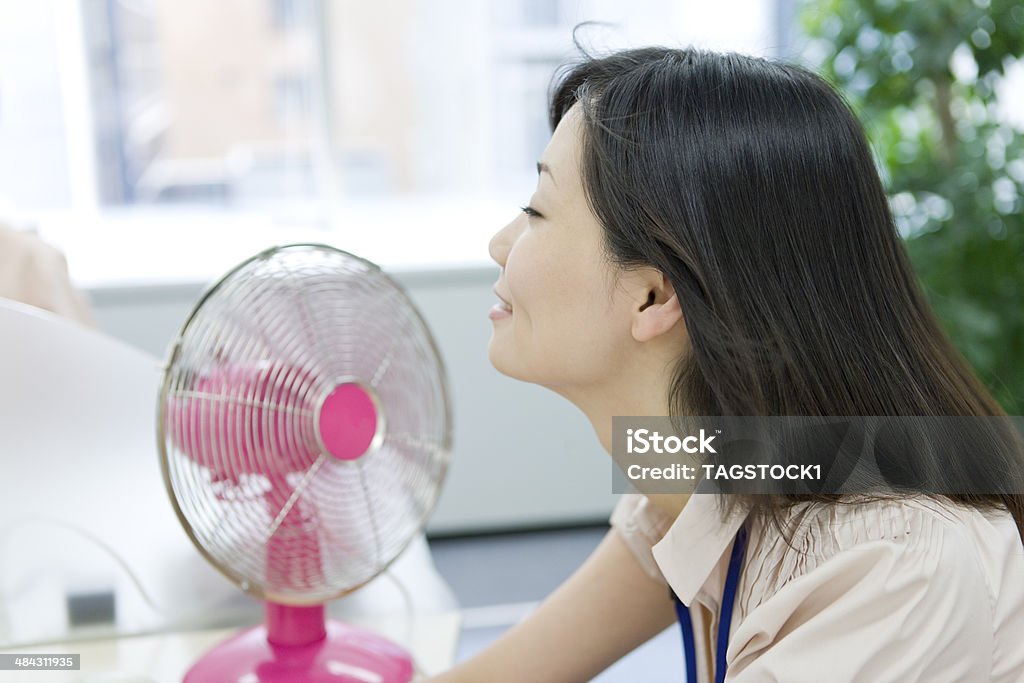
{"points": [[165, 657]]}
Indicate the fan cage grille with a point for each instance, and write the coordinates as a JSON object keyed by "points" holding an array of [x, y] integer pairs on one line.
{"points": [[237, 424]]}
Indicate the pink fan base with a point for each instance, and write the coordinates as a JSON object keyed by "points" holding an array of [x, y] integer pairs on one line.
{"points": [[298, 646]]}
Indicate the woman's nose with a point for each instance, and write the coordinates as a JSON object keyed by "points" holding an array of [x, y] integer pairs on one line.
{"points": [[502, 242]]}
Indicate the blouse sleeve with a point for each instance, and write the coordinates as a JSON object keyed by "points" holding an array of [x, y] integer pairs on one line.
{"points": [[885, 610], [641, 525]]}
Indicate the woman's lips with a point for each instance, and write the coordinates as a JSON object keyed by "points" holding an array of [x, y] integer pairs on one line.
{"points": [[499, 311]]}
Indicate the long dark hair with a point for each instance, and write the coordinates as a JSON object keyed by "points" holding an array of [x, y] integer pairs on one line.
{"points": [[751, 186]]}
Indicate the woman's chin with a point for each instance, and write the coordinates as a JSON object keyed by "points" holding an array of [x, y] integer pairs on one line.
{"points": [[501, 362], [496, 357]]}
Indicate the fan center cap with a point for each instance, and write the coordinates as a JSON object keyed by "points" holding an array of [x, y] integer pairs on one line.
{"points": [[349, 422]]}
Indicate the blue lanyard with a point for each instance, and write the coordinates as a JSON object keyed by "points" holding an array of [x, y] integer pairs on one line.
{"points": [[725, 615]]}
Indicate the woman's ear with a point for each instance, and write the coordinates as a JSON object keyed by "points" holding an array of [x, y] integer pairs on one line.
{"points": [[658, 314]]}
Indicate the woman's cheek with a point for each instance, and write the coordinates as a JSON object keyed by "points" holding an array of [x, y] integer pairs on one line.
{"points": [[524, 276]]}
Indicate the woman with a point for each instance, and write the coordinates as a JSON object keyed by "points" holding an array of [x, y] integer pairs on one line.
{"points": [[709, 236]]}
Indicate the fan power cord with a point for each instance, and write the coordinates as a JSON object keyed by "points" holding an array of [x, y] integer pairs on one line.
{"points": [[410, 620]]}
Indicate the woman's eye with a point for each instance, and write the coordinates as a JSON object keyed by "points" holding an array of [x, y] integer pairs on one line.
{"points": [[530, 211]]}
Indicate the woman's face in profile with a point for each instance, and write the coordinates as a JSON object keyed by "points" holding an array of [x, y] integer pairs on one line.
{"points": [[569, 324]]}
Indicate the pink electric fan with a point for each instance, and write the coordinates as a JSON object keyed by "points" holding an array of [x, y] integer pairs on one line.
{"points": [[304, 432]]}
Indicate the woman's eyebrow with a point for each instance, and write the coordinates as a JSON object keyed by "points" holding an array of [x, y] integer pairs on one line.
{"points": [[541, 166]]}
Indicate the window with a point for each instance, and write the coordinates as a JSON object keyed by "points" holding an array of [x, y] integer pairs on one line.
{"points": [[299, 109]]}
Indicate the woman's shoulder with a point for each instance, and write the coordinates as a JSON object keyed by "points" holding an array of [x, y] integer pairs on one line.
{"points": [[910, 536], [906, 589]]}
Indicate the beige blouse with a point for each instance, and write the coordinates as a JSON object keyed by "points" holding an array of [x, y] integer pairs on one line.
{"points": [[898, 590]]}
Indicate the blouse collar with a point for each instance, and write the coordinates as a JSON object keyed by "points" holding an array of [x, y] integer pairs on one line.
{"points": [[694, 545]]}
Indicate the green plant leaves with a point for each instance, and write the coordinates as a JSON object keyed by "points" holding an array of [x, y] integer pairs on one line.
{"points": [[924, 78]]}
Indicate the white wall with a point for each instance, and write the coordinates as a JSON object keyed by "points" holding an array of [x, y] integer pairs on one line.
{"points": [[524, 457]]}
